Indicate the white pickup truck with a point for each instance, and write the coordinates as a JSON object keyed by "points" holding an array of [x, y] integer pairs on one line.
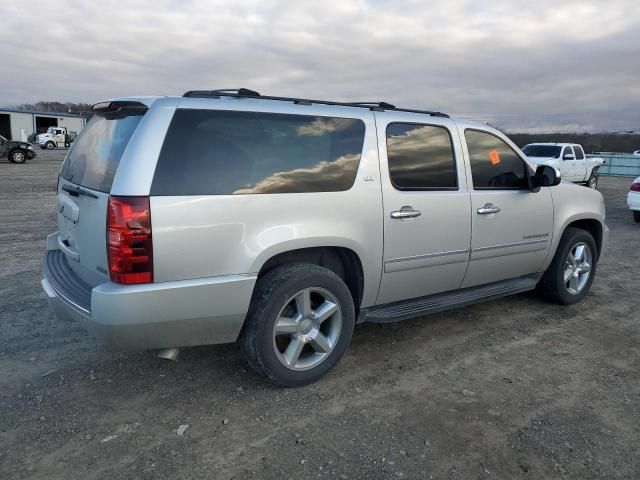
{"points": [[569, 158]]}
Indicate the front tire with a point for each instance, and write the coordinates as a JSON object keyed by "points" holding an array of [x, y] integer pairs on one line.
{"points": [[299, 324], [570, 275], [17, 156], [50, 145], [636, 216], [593, 181]]}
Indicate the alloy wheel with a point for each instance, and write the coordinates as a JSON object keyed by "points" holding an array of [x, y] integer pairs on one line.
{"points": [[307, 328], [577, 268]]}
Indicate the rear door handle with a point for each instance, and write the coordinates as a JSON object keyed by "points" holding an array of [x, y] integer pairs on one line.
{"points": [[488, 209], [406, 212]]}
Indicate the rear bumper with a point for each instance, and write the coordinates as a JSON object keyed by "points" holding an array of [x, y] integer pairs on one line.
{"points": [[158, 315], [633, 200]]}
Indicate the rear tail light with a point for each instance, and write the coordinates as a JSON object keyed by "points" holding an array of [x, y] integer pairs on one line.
{"points": [[635, 187], [129, 246]]}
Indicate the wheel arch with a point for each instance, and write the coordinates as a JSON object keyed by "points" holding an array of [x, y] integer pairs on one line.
{"points": [[591, 225], [341, 260], [592, 170]]}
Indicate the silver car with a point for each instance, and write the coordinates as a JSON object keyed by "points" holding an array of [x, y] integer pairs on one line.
{"points": [[281, 223]]}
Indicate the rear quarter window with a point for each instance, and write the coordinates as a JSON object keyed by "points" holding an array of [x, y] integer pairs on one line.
{"points": [[218, 152], [94, 156]]}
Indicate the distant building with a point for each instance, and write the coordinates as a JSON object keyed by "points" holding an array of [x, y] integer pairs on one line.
{"points": [[21, 124]]}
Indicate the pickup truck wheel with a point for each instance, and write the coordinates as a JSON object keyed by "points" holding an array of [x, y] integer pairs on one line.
{"points": [[593, 181], [299, 324], [636, 216], [50, 145], [570, 275], [17, 156]]}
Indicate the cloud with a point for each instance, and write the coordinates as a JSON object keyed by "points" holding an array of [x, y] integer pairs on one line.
{"points": [[337, 175], [520, 65], [321, 126]]}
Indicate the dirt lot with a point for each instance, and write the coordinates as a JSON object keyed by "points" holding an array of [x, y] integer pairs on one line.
{"points": [[515, 388]]}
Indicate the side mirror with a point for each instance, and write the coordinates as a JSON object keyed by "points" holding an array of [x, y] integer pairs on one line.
{"points": [[569, 156], [545, 176]]}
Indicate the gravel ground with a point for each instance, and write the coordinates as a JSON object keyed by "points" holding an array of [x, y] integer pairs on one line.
{"points": [[515, 388]]}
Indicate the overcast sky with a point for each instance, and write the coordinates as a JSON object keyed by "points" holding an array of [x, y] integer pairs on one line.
{"points": [[522, 65]]}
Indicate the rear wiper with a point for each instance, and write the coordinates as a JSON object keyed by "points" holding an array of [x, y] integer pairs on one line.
{"points": [[74, 191]]}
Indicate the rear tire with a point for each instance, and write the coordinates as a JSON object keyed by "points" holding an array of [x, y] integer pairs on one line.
{"points": [[17, 156], [636, 216], [567, 280], [299, 324]]}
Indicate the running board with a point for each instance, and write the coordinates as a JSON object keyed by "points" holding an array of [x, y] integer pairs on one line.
{"points": [[415, 307]]}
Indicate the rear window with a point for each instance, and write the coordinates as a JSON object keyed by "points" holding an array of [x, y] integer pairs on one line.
{"points": [[94, 156], [218, 152], [551, 151]]}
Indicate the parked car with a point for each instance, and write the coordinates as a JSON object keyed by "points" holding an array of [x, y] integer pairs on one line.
{"points": [[16, 152], [633, 199], [569, 158], [55, 137], [636, 153], [280, 223]]}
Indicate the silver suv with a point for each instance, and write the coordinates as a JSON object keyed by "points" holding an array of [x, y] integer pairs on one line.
{"points": [[280, 223]]}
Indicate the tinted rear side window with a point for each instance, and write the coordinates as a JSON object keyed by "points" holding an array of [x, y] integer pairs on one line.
{"points": [[420, 157], [94, 156], [219, 152]]}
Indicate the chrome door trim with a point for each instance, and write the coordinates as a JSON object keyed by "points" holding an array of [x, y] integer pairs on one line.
{"points": [[428, 260], [513, 249]]}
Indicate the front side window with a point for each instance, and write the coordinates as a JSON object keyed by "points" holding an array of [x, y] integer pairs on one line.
{"points": [[494, 164], [420, 157], [221, 152]]}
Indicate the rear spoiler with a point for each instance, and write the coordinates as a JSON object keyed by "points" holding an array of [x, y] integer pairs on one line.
{"points": [[114, 106]]}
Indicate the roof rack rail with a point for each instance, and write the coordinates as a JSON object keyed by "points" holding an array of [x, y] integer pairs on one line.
{"points": [[247, 93]]}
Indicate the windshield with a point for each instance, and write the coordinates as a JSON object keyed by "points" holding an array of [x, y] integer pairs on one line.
{"points": [[95, 155], [542, 151]]}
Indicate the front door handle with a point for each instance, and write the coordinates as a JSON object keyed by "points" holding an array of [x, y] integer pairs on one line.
{"points": [[487, 209], [406, 212]]}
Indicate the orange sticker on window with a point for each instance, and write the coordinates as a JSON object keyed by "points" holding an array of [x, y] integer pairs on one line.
{"points": [[494, 157]]}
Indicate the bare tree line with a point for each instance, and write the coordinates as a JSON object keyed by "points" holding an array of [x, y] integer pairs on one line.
{"points": [[57, 107]]}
